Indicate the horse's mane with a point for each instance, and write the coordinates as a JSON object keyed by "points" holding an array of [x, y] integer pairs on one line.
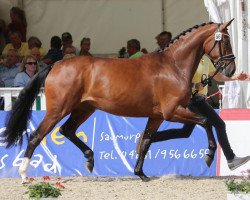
{"points": [[187, 31]]}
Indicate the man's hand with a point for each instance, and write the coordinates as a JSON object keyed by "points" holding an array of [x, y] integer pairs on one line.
{"points": [[241, 76]]}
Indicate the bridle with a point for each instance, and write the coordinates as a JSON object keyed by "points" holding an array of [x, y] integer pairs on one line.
{"points": [[223, 61]]}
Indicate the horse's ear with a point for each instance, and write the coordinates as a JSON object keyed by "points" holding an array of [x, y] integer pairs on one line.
{"points": [[226, 24]]}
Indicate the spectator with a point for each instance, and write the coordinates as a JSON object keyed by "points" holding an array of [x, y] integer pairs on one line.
{"points": [[16, 43], [1, 85], [18, 22], [10, 69], [2, 62], [55, 52], [67, 41], [133, 48], [3, 36], [163, 40], [36, 42], [122, 53], [29, 68], [35, 51], [144, 50], [69, 52], [85, 47]]}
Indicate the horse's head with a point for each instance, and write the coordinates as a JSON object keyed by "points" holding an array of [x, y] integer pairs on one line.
{"points": [[219, 50]]}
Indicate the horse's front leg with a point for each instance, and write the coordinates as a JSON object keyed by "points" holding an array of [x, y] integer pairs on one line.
{"points": [[144, 144]]}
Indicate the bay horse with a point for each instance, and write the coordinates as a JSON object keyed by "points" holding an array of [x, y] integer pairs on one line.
{"points": [[156, 85]]}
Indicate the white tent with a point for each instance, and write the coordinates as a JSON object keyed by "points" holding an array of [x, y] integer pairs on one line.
{"points": [[109, 23], [236, 93]]}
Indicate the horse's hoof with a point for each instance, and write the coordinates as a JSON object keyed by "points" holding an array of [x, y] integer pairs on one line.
{"points": [[208, 159], [142, 176], [89, 166], [25, 181]]}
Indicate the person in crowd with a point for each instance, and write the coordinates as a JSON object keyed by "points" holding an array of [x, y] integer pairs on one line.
{"points": [[144, 50], [67, 41], [16, 43], [10, 68], [122, 53], [55, 52], [163, 40], [18, 22], [1, 85], [133, 48], [3, 35], [35, 51], [199, 105], [85, 47], [69, 52], [29, 68], [36, 42]]}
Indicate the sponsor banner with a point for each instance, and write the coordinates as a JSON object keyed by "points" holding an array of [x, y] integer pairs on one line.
{"points": [[237, 126], [113, 140]]}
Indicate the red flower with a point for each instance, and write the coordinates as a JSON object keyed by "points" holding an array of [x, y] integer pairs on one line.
{"points": [[58, 184], [46, 178]]}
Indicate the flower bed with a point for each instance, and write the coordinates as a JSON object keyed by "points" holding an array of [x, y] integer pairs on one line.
{"points": [[48, 188]]}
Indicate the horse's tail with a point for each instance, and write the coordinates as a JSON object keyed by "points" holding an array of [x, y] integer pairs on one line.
{"points": [[17, 119]]}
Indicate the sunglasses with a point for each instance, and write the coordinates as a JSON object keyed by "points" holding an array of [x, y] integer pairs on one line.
{"points": [[31, 63]]}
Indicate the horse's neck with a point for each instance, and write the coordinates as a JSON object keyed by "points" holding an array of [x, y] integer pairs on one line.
{"points": [[188, 51]]}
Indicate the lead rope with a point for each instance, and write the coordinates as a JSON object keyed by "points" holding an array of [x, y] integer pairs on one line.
{"points": [[208, 80]]}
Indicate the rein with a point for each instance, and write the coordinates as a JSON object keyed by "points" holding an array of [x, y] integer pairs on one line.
{"points": [[220, 65]]}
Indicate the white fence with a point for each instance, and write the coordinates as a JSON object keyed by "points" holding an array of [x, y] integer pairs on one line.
{"points": [[10, 94]]}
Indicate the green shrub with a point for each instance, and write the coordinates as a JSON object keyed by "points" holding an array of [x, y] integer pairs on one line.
{"points": [[238, 186]]}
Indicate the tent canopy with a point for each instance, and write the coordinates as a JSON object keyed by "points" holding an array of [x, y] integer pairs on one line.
{"points": [[109, 23]]}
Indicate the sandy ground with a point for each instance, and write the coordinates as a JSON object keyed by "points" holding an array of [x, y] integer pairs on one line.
{"points": [[106, 188]]}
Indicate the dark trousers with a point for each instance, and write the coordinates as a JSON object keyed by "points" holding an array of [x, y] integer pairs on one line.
{"points": [[1, 103], [199, 105]]}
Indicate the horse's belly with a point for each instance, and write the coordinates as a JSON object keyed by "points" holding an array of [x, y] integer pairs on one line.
{"points": [[139, 110]]}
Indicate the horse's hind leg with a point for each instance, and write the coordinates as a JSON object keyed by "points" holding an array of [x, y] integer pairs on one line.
{"points": [[68, 129], [36, 137], [151, 128]]}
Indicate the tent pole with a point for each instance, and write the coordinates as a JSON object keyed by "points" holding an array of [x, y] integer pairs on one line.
{"points": [[20, 4], [163, 12]]}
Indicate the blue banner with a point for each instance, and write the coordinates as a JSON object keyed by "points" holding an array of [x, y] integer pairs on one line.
{"points": [[113, 140]]}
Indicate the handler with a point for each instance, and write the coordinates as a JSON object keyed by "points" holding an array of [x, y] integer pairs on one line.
{"points": [[199, 105]]}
